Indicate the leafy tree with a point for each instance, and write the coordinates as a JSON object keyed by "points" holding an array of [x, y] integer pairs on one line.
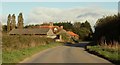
{"points": [[82, 29], [4, 28], [84, 33], [107, 30], [86, 27], [67, 25], [20, 21], [77, 25], [8, 23]]}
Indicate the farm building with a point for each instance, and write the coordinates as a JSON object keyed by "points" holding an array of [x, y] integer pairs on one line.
{"points": [[38, 32], [72, 34], [55, 32]]}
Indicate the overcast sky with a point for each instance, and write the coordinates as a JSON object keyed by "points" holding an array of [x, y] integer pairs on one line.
{"points": [[39, 12]]}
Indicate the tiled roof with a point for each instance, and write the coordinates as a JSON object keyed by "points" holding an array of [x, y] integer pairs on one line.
{"points": [[51, 27], [72, 33], [30, 31]]}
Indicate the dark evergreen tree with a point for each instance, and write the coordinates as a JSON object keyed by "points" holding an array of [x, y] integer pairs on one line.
{"points": [[67, 25], [77, 25], [87, 24]]}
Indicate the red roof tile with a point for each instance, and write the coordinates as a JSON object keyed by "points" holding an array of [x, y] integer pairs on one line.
{"points": [[72, 33]]}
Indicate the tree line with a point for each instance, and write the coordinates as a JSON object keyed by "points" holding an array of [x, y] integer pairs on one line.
{"points": [[107, 30], [82, 29]]}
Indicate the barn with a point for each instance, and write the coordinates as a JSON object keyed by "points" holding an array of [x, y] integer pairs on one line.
{"points": [[46, 32]]}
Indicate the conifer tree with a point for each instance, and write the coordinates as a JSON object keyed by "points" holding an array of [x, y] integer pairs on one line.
{"points": [[8, 23], [20, 21], [13, 22]]}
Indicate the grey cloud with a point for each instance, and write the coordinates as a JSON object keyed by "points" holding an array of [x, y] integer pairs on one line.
{"points": [[89, 14]]}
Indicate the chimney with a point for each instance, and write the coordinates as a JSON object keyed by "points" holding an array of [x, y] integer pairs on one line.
{"points": [[51, 23], [61, 27]]}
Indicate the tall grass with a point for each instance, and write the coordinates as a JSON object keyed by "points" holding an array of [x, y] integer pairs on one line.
{"points": [[110, 54], [19, 42]]}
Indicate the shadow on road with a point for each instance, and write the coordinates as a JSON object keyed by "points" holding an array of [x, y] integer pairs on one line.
{"points": [[80, 44]]}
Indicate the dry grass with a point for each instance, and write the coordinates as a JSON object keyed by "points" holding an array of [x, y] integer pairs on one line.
{"points": [[19, 42], [115, 46]]}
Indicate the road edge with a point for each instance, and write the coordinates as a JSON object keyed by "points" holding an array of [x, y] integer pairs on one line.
{"points": [[34, 55]]}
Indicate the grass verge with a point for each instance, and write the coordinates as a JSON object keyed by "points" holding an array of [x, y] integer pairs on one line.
{"points": [[111, 55], [16, 56]]}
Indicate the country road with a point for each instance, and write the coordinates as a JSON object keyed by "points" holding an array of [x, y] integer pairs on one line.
{"points": [[65, 54]]}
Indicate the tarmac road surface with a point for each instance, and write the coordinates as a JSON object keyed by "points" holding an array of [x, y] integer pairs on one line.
{"points": [[65, 54]]}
